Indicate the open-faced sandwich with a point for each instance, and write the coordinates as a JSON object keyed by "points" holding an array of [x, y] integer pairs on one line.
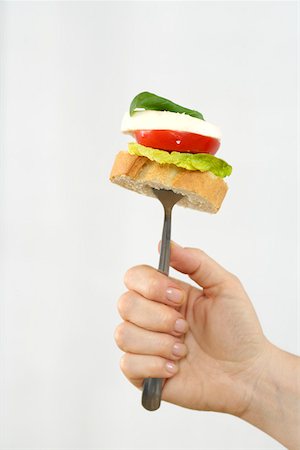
{"points": [[174, 150]]}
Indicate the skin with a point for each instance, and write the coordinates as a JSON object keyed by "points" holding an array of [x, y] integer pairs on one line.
{"points": [[218, 359]]}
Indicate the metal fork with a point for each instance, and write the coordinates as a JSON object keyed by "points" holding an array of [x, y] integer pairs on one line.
{"points": [[153, 386]]}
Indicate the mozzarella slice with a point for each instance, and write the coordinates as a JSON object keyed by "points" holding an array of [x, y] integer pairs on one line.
{"points": [[166, 120]]}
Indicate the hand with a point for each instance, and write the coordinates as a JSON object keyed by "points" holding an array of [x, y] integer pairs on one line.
{"points": [[206, 342]]}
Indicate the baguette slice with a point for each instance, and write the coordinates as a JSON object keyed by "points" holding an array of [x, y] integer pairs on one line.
{"points": [[203, 191]]}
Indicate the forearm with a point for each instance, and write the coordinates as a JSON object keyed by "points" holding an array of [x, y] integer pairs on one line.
{"points": [[275, 403]]}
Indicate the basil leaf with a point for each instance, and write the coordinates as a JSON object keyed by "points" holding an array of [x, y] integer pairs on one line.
{"points": [[147, 100]]}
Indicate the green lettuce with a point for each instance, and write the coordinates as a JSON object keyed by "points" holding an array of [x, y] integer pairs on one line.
{"points": [[190, 161]]}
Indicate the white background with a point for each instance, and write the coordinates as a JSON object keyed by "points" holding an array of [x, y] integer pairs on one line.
{"points": [[68, 73]]}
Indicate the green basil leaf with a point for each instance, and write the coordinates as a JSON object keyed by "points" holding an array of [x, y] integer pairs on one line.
{"points": [[147, 100]]}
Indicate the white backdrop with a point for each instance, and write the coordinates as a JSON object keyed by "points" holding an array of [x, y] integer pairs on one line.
{"points": [[68, 73]]}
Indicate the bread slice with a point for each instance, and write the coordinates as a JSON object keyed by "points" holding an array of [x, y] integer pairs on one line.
{"points": [[203, 191]]}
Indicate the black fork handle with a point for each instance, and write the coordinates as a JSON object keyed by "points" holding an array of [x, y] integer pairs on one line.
{"points": [[152, 388]]}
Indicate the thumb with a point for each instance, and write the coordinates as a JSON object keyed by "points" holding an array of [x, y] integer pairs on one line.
{"points": [[198, 266]]}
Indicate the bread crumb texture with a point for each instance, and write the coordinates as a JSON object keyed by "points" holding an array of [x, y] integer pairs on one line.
{"points": [[202, 191]]}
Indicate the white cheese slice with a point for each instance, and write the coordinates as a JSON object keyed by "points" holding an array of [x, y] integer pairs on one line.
{"points": [[166, 120]]}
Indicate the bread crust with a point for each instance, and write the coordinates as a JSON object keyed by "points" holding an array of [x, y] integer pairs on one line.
{"points": [[201, 190]]}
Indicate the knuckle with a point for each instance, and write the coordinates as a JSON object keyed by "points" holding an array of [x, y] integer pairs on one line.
{"points": [[234, 279], [154, 365], [131, 274], [120, 335], [128, 275], [159, 365], [124, 304], [166, 345], [198, 252], [232, 285], [154, 287], [125, 365], [168, 319], [165, 322]]}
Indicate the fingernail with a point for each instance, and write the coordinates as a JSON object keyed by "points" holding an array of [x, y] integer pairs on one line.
{"points": [[174, 295], [181, 326], [174, 244], [171, 367], [179, 349]]}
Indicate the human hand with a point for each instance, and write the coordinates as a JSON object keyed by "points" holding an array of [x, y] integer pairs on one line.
{"points": [[215, 359]]}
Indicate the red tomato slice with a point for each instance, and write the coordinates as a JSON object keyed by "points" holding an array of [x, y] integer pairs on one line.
{"points": [[178, 141]]}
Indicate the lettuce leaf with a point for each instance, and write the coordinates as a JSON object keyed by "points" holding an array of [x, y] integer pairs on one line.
{"points": [[190, 161]]}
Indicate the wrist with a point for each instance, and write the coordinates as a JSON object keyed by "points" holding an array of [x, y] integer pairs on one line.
{"points": [[274, 397]]}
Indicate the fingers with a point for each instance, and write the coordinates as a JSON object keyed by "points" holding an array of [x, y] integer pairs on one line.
{"points": [[138, 367], [150, 336], [206, 272], [150, 315], [133, 339], [156, 286], [148, 354]]}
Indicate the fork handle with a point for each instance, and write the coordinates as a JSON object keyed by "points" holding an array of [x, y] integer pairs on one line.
{"points": [[152, 388]]}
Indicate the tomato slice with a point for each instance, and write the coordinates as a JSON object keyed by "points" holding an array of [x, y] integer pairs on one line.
{"points": [[178, 141]]}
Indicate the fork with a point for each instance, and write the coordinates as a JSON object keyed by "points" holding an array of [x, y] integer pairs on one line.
{"points": [[152, 387]]}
